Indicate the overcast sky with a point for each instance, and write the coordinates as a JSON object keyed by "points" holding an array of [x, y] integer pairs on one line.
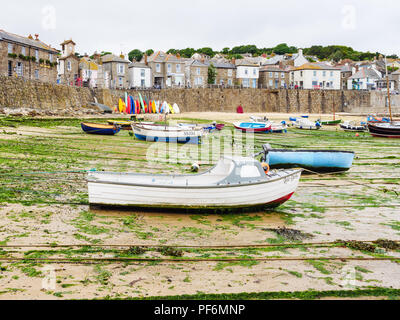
{"points": [[122, 25]]}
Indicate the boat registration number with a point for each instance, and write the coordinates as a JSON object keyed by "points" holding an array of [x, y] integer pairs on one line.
{"points": [[189, 133]]}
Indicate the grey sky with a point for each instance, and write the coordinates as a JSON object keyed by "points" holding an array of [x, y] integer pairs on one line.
{"points": [[121, 25]]}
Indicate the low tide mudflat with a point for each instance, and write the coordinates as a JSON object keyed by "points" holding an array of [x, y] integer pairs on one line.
{"points": [[49, 206]]}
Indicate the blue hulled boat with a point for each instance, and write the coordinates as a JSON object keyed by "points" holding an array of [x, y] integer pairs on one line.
{"points": [[102, 129], [314, 160]]}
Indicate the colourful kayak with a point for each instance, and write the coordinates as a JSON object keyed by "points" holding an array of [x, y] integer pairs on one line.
{"points": [[314, 160]]}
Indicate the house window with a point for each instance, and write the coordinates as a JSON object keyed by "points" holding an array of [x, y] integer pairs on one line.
{"points": [[229, 72], [271, 83], [120, 81], [271, 74], [331, 73], [169, 68], [10, 48], [37, 55], [23, 51], [121, 69], [198, 81], [255, 72], [142, 83], [246, 71], [69, 65], [230, 81], [301, 73], [20, 69], [282, 83], [50, 57], [37, 74], [142, 73], [315, 73], [246, 83], [198, 71], [178, 68], [282, 75], [10, 68], [324, 73], [158, 67], [276, 75]]}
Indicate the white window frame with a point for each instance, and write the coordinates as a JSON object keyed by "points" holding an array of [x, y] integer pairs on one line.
{"points": [[198, 71], [178, 68], [314, 73], [142, 73], [230, 72], [169, 68], [37, 74], [37, 55], [246, 71], [69, 66], [276, 75], [254, 72], [10, 48], [229, 82], [50, 57], [120, 81], [283, 75], [23, 51], [271, 74], [121, 69], [158, 67], [324, 73], [20, 69]]}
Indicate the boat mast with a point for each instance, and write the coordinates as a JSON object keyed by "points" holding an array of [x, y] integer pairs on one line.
{"points": [[388, 90]]}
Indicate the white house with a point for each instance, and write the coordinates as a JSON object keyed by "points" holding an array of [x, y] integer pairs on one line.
{"points": [[247, 73], [298, 59], [364, 79], [89, 72], [316, 76], [139, 75]]}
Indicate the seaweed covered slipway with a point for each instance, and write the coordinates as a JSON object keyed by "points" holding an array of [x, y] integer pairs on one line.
{"points": [[338, 236]]}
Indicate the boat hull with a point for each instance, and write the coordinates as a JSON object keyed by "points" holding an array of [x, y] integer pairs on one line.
{"points": [[384, 130], [248, 196], [92, 128], [255, 127], [351, 128], [331, 123], [313, 160], [153, 133]]}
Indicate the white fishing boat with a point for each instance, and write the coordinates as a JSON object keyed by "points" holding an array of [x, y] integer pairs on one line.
{"points": [[165, 133], [306, 124], [353, 126], [233, 183]]}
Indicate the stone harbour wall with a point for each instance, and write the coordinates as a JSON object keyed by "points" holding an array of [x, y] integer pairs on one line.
{"points": [[27, 97]]}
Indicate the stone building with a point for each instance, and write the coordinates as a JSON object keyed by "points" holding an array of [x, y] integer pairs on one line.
{"points": [[116, 68], [196, 73], [167, 70], [27, 58], [226, 73], [274, 77], [68, 64]]}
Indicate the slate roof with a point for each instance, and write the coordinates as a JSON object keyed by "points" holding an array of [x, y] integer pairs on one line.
{"points": [[366, 73], [113, 58], [10, 37], [138, 65]]}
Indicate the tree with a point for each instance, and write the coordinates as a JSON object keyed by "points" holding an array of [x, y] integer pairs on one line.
{"points": [[225, 50], [337, 56], [212, 74], [149, 52], [187, 53], [207, 51], [135, 54]]}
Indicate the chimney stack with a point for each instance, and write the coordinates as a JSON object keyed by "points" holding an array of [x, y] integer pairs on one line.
{"points": [[37, 37], [233, 61], [145, 59]]}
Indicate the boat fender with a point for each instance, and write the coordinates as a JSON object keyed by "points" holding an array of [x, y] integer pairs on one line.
{"points": [[195, 167], [265, 167]]}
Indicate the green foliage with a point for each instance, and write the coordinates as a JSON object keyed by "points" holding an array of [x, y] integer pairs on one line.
{"points": [[135, 54], [207, 51], [149, 52], [212, 74]]}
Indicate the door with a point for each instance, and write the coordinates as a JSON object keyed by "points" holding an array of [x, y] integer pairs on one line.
{"points": [[254, 84]]}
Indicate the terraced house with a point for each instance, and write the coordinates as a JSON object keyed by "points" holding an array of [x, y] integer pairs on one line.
{"points": [[274, 77], [226, 73], [26, 57], [117, 68], [68, 64], [168, 70]]}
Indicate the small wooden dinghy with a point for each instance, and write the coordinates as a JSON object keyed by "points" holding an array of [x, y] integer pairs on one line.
{"points": [[125, 125], [102, 129], [385, 129], [314, 160], [330, 122], [256, 127], [306, 124], [233, 183], [351, 126], [163, 133]]}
